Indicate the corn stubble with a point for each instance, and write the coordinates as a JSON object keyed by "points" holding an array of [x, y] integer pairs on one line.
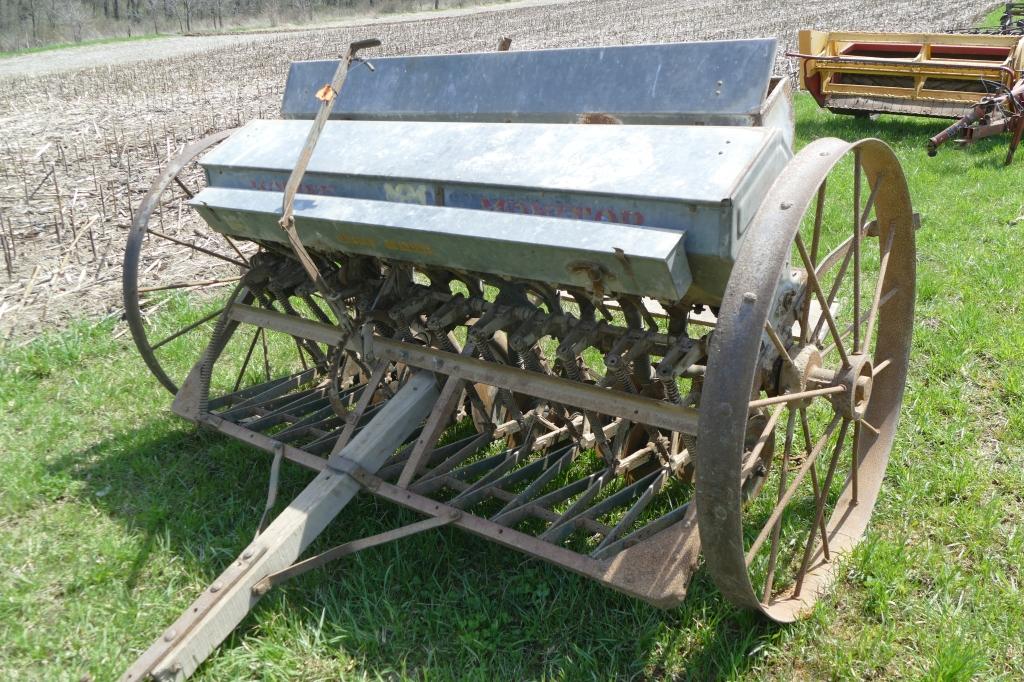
{"points": [[79, 149]]}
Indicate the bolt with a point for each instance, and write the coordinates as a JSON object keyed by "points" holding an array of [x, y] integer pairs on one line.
{"points": [[216, 586], [169, 635], [749, 297], [248, 553], [786, 205]]}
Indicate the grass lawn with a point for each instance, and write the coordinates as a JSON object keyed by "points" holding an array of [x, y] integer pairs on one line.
{"points": [[992, 18], [114, 514]]}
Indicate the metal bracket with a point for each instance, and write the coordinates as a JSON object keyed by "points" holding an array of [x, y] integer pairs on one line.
{"points": [[275, 479], [301, 567]]}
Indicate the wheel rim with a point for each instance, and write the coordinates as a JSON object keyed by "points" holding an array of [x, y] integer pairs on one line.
{"points": [[764, 556], [141, 271]]}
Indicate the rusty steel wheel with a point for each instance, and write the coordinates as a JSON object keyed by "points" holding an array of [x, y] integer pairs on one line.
{"points": [[190, 258], [813, 334]]}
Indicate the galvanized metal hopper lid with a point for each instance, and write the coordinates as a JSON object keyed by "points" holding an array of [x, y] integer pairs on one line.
{"points": [[680, 83]]}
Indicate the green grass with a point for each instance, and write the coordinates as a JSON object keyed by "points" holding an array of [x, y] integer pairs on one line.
{"points": [[96, 41], [114, 514], [992, 18]]}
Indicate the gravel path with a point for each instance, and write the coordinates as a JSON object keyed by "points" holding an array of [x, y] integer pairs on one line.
{"points": [[66, 59]]}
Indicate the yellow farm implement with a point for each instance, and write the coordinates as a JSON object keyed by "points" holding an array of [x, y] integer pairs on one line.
{"points": [[920, 74]]}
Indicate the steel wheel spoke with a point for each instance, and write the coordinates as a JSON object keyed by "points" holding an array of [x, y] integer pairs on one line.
{"points": [[298, 349], [867, 425], [777, 526], [791, 397], [779, 345], [266, 353], [769, 427], [833, 291], [849, 328], [186, 330], [856, 249], [200, 249], [184, 188], [188, 285], [805, 425], [843, 250], [849, 250], [819, 214], [854, 462], [812, 279], [828, 262], [821, 524], [248, 356], [234, 246], [820, 507], [877, 301], [791, 490]]}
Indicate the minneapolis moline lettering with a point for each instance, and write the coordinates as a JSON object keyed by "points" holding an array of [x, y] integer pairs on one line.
{"points": [[407, 247], [355, 240]]}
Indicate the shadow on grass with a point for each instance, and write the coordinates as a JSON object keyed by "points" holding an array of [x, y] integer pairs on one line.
{"points": [[909, 134], [435, 605]]}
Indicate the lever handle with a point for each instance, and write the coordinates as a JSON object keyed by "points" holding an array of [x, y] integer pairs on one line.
{"points": [[363, 45]]}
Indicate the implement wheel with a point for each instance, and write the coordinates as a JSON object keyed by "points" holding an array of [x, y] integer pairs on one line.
{"points": [[787, 346], [170, 252]]}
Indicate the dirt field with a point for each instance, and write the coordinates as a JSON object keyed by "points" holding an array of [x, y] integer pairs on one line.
{"points": [[80, 146], [56, 61]]}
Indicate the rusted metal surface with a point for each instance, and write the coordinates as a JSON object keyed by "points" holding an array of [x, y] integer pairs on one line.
{"points": [[732, 377], [133, 248], [604, 428], [993, 115]]}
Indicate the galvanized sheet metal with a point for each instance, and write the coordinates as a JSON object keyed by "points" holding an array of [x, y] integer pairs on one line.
{"points": [[641, 261], [720, 82], [603, 173], [705, 181]]}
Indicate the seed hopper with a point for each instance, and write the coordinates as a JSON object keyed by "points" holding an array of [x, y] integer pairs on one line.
{"points": [[583, 303]]}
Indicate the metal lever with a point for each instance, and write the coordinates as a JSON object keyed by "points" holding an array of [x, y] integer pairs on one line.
{"points": [[363, 45], [327, 95], [275, 477]]}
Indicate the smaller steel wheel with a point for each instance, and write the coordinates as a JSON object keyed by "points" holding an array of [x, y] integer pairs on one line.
{"points": [[177, 271], [813, 337]]}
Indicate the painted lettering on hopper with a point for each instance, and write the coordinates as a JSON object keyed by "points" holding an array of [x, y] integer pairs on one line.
{"points": [[559, 210]]}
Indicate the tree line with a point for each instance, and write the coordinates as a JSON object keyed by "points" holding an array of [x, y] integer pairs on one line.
{"points": [[32, 23]]}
